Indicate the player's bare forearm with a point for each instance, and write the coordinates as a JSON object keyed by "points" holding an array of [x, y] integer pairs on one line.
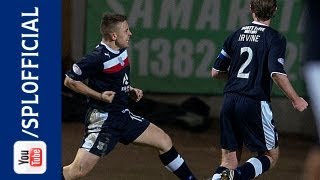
{"points": [[284, 84], [82, 88]]}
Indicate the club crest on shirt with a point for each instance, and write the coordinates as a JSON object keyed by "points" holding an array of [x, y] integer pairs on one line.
{"points": [[76, 69], [121, 61]]}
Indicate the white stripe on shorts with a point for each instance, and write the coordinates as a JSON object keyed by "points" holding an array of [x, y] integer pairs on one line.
{"points": [[96, 121], [135, 117], [89, 141], [268, 127]]}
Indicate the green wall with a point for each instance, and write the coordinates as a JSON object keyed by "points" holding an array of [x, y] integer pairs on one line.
{"points": [[175, 42]]}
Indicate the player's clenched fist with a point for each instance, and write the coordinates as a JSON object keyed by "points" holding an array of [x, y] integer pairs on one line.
{"points": [[107, 96], [135, 94], [300, 104]]}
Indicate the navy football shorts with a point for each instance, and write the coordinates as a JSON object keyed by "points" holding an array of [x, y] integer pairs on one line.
{"points": [[245, 121], [105, 129]]}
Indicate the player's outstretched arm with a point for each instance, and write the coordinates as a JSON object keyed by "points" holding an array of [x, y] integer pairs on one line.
{"points": [[80, 87], [284, 84]]}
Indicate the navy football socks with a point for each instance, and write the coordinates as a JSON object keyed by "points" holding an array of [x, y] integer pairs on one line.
{"points": [[175, 163], [252, 168]]}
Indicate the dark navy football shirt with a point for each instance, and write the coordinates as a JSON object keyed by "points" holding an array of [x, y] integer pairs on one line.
{"points": [[251, 55], [106, 70]]}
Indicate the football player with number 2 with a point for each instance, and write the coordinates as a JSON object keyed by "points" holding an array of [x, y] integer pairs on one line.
{"points": [[252, 58]]}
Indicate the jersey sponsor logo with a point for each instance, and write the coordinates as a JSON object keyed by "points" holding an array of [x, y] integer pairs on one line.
{"points": [[125, 79], [76, 69], [125, 83], [116, 64]]}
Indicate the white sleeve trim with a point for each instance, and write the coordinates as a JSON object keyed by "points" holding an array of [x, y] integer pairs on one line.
{"points": [[71, 78], [278, 73], [218, 70]]}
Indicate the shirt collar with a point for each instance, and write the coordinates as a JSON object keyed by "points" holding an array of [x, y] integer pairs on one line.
{"points": [[109, 49], [259, 23]]}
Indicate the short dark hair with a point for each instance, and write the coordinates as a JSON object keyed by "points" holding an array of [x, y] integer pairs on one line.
{"points": [[263, 9], [109, 20]]}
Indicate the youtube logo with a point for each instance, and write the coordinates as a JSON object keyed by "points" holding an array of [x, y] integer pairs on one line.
{"points": [[30, 157]]}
